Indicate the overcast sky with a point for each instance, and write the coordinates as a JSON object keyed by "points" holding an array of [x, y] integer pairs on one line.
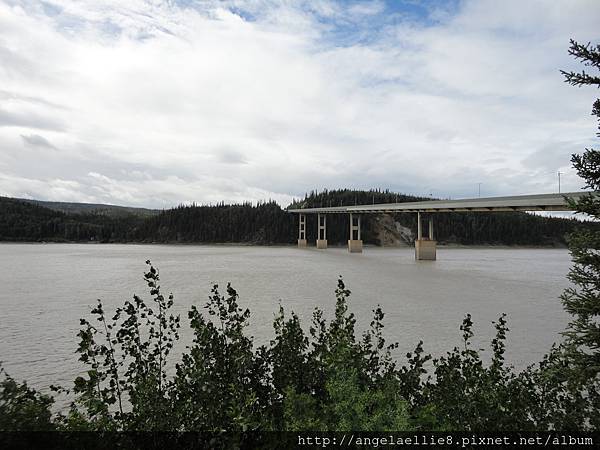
{"points": [[157, 103]]}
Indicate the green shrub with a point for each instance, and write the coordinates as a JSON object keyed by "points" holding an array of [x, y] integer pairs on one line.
{"points": [[23, 408], [327, 379]]}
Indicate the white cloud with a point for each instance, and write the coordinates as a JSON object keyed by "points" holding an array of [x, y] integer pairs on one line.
{"points": [[154, 104], [35, 140]]}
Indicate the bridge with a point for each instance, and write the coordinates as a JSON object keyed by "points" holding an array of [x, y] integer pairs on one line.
{"points": [[425, 247]]}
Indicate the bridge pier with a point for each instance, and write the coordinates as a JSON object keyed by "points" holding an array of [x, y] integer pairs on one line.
{"points": [[322, 231], [301, 230], [355, 242], [425, 248]]}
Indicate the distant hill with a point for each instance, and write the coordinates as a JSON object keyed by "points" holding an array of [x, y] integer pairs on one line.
{"points": [[268, 223], [93, 208], [29, 221]]}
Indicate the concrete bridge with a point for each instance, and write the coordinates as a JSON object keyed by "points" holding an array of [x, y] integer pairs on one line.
{"points": [[425, 247]]}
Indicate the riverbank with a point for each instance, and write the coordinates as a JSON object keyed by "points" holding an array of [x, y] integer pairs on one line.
{"points": [[290, 245]]}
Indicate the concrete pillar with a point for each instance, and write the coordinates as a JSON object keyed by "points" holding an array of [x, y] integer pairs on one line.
{"points": [[425, 249], [322, 231], [431, 228], [301, 230], [355, 242]]}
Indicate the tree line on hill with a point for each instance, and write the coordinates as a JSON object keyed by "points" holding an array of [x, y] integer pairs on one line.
{"points": [[267, 223], [27, 222]]}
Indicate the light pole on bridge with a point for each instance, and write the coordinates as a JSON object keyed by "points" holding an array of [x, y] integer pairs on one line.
{"points": [[559, 174]]}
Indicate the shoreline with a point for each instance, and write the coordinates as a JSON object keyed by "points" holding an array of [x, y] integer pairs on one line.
{"points": [[249, 244]]}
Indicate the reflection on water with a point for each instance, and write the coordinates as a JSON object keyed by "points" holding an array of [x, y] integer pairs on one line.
{"points": [[47, 288]]}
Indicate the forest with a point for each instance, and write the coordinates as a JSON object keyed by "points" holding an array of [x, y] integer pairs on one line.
{"points": [[266, 223]]}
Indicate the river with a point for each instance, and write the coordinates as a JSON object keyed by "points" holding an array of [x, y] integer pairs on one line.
{"points": [[46, 288]]}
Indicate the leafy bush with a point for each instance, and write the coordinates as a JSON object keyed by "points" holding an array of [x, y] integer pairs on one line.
{"points": [[326, 379], [23, 408], [223, 383]]}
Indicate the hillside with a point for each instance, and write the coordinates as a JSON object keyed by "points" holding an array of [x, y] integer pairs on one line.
{"points": [[26, 221], [93, 208], [266, 223]]}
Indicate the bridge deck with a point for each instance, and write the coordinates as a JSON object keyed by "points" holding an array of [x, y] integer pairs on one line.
{"points": [[537, 202]]}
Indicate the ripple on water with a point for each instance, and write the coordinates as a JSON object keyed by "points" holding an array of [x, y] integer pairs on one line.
{"points": [[47, 288]]}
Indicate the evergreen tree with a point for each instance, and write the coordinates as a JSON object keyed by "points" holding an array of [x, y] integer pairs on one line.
{"points": [[583, 301]]}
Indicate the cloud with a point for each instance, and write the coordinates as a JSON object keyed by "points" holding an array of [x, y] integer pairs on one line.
{"points": [[367, 8], [35, 140], [29, 120], [13, 97], [229, 156], [169, 102]]}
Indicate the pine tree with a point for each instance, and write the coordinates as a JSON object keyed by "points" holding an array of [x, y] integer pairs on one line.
{"points": [[583, 300]]}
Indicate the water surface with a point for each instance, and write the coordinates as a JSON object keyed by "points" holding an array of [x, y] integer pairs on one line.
{"points": [[47, 288]]}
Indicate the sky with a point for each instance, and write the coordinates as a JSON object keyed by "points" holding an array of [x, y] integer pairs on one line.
{"points": [[155, 103]]}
